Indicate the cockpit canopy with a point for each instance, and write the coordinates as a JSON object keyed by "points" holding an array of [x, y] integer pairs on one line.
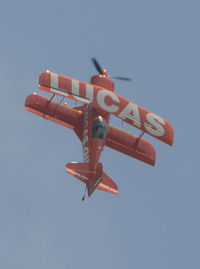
{"points": [[99, 128]]}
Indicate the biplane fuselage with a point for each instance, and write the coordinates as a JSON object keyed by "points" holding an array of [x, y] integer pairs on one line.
{"points": [[90, 122], [95, 127]]}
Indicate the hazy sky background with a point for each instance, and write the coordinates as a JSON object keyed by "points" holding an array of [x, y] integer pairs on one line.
{"points": [[154, 221]]}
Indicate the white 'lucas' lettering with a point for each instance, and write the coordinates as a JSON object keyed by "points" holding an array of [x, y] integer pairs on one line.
{"points": [[76, 92], [101, 100], [86, 157], [154, 127], [131, 112]]}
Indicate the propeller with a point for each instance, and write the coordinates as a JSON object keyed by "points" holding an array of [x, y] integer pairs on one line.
{"points": [[100, 70], [97, 65], [122, 78]]}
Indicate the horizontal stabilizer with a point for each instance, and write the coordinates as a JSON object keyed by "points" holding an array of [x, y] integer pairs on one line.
{"points": [[107, 184], [79, 170], [82, 172]]}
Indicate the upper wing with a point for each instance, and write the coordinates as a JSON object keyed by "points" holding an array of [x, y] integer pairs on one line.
{"points": [[108, 102], [59, 113], [131, 145]]}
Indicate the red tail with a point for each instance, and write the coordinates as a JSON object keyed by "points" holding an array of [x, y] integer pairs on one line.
{"points": [[98, 180]]}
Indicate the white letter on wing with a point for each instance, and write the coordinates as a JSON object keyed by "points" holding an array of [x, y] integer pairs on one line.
{"points": [[101, 100], [54, 80], [54, 85], [75, 88], [89, 92], [131, 112], [154, 127], [76, 92]]}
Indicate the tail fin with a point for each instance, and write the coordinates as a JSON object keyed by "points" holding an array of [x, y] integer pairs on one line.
{"points": [[101, 181]]}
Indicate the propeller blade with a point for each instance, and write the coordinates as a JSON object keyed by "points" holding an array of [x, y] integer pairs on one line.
{"points": [[97, 65], [122, 78], [100, 70]]}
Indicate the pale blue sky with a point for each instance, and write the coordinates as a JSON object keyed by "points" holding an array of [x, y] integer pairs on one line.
{"points": [[154, 221]]}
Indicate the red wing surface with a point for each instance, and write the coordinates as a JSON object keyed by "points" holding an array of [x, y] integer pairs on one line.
{"points": [[108, 102], [131, 145], [59, 113]]}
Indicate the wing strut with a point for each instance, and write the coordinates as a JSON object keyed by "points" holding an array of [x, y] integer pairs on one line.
{"points": [[138, 140], [50, 102], [46, 107], [59, 103]]}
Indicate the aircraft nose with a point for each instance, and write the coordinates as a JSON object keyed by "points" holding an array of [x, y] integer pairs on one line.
{"points": [[105, 73]]}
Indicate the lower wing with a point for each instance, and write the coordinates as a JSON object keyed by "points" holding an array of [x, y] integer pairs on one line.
{"points": [[59, 113], [117, 139], [131, 145]]}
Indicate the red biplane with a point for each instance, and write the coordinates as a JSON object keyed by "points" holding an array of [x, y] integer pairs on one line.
{"points": [[90, 122]]}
